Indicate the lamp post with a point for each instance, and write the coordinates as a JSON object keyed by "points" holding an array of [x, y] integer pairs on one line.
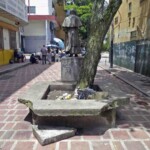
{"points": [[111, 45]]}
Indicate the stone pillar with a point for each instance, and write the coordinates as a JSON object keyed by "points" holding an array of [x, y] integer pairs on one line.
{"points": [[70, 68]]}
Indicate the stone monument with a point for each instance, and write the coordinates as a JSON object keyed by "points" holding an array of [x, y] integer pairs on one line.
{"points": [[71, 25], [71, 66]]}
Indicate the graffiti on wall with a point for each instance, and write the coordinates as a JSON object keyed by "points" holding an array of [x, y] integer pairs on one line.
{"points": [[124, 54], [143, 58]]}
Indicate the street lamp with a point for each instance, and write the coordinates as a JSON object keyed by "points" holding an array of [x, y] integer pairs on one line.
{"points": [[111, 45]]}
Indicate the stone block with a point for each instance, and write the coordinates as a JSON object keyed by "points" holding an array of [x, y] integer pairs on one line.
{"points": [[70, 68], [47, 135]]}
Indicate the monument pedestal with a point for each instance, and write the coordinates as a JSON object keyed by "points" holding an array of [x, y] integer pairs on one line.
{"points": [[70, 68]]}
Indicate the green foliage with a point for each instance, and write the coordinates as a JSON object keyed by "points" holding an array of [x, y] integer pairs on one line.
{"points": [[84, 12], [106, 43], [106, 46]]}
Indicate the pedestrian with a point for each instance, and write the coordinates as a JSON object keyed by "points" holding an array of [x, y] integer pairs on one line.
{"points": [[44, 54], [53, 56], [49, 56], [33, 59]]}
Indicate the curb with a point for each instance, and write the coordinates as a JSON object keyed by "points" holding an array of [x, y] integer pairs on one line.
{"points": [[126, 81], [14, 68]]}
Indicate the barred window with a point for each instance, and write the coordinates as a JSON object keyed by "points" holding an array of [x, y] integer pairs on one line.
{"points": [[133, 35], [32, 9]]}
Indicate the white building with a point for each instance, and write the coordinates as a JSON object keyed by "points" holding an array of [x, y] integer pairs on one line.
{"points": [[40, 29], [13, 16]]}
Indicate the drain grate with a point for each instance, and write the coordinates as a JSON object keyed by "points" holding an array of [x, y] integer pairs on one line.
{"points": [[6, 77]]}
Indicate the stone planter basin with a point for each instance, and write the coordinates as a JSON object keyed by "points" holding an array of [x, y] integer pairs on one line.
{"points": [[70, 113]]}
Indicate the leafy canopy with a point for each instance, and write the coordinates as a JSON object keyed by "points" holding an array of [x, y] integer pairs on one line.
{"points": [[83, 9]]}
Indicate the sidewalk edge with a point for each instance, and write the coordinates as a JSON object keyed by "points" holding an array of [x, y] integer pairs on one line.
{"points": [[126, 81], [12, 69]]}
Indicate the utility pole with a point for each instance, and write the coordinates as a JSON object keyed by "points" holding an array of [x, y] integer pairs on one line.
{"points": [[111, 45]]}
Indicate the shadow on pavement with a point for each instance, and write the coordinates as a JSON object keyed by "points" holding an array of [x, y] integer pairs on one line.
{"points": [[11, 82]]}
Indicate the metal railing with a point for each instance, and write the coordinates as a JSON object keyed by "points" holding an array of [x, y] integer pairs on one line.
{"points": [[15, 7]]}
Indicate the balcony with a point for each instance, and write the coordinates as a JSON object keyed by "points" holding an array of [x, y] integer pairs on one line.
{"points": [[14, 10]]}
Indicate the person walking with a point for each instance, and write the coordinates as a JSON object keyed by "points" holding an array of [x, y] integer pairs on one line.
{"points": [[49, 56], [44, 54]]}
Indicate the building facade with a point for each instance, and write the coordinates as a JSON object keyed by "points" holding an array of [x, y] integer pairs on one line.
{"points": [[132, 36], [13, 16], [42, 22]]}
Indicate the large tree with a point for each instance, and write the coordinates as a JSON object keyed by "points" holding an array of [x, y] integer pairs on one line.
{"points": [[100, 22], [101, 19]]}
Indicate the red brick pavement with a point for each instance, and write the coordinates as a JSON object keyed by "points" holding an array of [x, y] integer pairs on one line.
{"points": [[133, 123]]}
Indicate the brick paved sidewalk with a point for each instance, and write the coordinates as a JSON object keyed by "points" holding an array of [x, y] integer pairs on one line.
{"points": [[11, 67], [131, 133], [138, 81]]}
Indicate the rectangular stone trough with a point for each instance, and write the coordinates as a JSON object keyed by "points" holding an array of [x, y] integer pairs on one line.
{"points": [[69, 113]]}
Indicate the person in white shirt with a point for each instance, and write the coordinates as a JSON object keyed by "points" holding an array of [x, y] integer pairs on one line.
{"points": [[49, 56], [44, 54]]}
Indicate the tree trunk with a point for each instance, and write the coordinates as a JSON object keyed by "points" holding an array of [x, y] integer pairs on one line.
{"points": [[100, 22]]}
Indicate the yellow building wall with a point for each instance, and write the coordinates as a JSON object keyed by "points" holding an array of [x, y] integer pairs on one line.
{"points": [[130, 20], [5, 56]]}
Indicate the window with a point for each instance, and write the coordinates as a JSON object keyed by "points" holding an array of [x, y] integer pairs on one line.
{"points": [[129, 22], [31, 9], [130, 7], [141, 1], [129, 14], [133, 34], [12, 37], [116, 20], [133, 23], [1, 39]]}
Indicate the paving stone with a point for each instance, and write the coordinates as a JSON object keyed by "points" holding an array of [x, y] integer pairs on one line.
{"points": [[63, 146], [23, 125], [101, 145], [11, 112], [139, 134], [76, 137], [1, 133], [106, 135], [24, 146], [7, 145], [2, 118], [91, 137], [19, 118], [46, 135], [80, 146], [10, 118], [147, 143], [117, 145], [22, 135], [1, 145], [20, 106], [22, 112], [8, 126], [8, 134], [134, 145], [1, 125], [46, 147], [122, 135]]}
